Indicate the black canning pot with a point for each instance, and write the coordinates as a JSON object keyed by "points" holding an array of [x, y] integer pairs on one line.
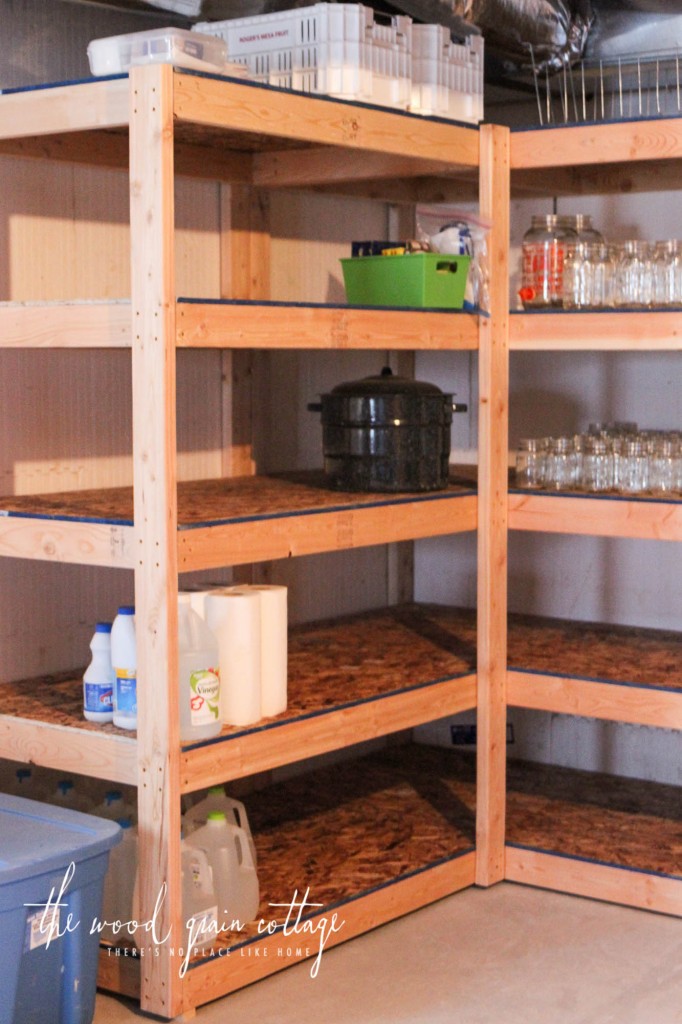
{"points": [[386, 433]]}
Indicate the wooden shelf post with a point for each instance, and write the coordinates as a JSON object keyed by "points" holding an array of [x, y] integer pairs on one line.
{"points": [[155, 503], [492, 514]]}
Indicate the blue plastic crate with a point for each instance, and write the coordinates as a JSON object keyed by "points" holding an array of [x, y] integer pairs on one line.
{"points": [[49, 976]]}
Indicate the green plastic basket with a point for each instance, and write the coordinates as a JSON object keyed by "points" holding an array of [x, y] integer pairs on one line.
{"points": [[421, 279]]}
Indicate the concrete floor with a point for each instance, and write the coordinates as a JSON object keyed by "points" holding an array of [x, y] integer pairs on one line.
{"points": [[506, 955]]}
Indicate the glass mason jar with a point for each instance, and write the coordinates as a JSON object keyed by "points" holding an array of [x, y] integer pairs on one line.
{"points": [[597, 465], [530, 462], [577, 279], [634, 277], [585, 230], [667, 274], [544, 249], [662, 467], [560, 464], [634, 468], [602, 260]]}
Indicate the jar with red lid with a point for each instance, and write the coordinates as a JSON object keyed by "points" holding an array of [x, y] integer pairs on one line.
{"points": [[544, 250]]}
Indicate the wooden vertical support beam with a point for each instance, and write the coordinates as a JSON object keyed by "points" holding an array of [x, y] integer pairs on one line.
{"points": [[245, 274], [154, 477], [400, 221], [492, 514]]}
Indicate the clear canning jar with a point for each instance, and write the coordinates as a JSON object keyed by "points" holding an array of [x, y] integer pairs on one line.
{"points": [[585, 230], [634, 468], [603, 275], [530, 462], [560, 464], [667, 274], [662, 467], [577, 279], [634, 275], [597, 465], [544, 249]]}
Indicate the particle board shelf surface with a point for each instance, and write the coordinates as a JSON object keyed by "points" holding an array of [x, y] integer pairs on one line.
{"points": [[607, 819], [231, 521], [620, 673], [349, 679], [629, 655], [370, 827]]}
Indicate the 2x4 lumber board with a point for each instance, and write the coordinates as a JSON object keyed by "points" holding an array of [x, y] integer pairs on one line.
{"points": [[260, 751], [493, 355], [604, 178], [613, 331], [594, 699], [298, 326], [596, 881], [80, 543], [329, 530], [596, 516], [295, 169], [320, 121], [624, 141], [155, 503], [55, 110], [65, 325], [110, 149], [69, 750], [226, 974]]}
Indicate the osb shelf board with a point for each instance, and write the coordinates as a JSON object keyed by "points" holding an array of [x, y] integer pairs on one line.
{"points": [[331, 664], [204, 503], [364, 657], [347, 829], [596, 651], [608, 819]]}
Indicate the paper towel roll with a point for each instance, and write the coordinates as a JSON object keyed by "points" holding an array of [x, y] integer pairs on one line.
{"points": [[274, 646], [234, 616]]}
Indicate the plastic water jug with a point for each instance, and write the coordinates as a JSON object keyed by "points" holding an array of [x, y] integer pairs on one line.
{"points": [[216, 799], [234, 873], [199, 898], [119, 885], [199, 675], [67, 795], [114, 806]]}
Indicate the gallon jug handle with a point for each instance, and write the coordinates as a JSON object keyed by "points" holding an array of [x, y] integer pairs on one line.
{"points": [[243, 847]]}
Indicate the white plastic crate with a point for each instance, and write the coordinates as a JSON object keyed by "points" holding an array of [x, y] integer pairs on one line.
{"points": [[336, 49], [447, 77]]}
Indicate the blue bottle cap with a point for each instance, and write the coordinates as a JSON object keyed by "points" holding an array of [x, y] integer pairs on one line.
{"points": [[124, 822], [103, 627], [112, 795], [64, 786], [126, 609]]}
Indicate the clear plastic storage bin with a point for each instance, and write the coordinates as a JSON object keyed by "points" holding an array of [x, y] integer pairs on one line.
{"points": [[116, 54]]}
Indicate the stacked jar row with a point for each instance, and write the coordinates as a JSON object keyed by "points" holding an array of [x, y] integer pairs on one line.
{"points": [[628, 462], [568, 264]]}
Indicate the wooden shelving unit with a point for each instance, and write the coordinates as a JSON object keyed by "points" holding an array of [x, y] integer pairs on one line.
{"points": [[399, 667], [601, 837], [369, 676]]}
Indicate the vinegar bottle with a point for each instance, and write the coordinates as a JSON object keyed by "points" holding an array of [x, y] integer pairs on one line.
{"points": [[198, 675]]}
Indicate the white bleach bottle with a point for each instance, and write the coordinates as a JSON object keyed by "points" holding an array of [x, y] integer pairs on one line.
{"points": [[124, 661], [98, 679], [198, 675]]}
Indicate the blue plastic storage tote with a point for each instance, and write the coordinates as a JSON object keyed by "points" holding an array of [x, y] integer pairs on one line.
{"points": [[48, 975]]}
